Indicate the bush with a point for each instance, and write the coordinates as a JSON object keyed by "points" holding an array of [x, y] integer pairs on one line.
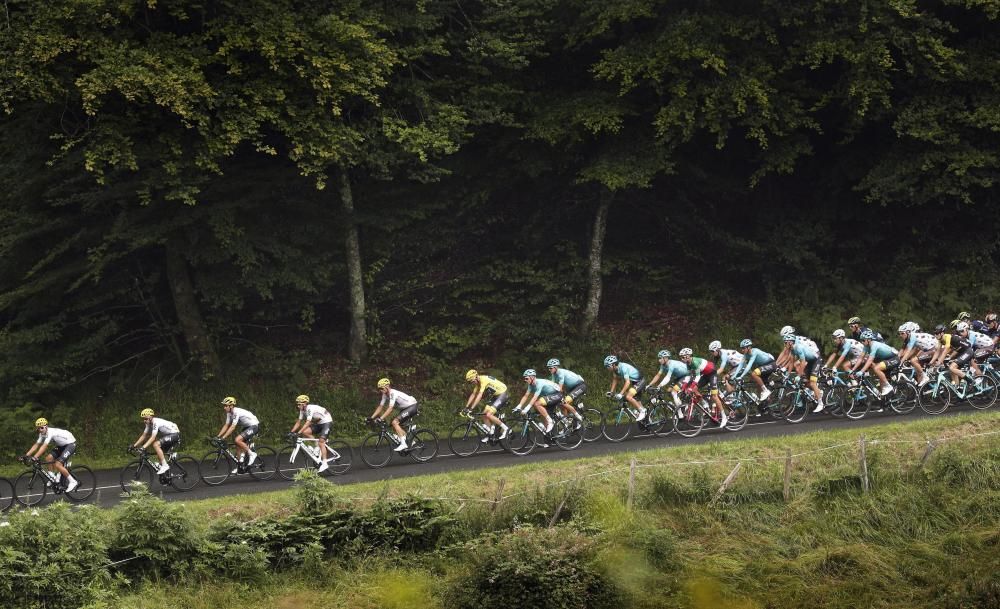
{"points": [[54, 557], [166, 540], [538, 568]]}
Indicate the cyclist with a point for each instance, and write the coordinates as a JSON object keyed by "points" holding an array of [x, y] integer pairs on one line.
{"points": [[703, 373], [725, 357], [314, 422], [63, 446], [632, 387], [541, 394], [918, 349], [957, 343], [785, 358], [672, 370], [974, 324], [982, 345], [944, 339], [495, 393], [856, 328], [765, 366], [249, 424], [881, 359], [848, 352], [992, 326], [161, 433], [805, 357], [408, 407], [571, 386]]}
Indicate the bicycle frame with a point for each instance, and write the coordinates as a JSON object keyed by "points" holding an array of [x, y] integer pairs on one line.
{"points": [[313, 452]]}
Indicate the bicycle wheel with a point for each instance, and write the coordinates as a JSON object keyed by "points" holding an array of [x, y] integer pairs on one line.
{"points": [[135, 472], [737, 416], [984, 393], [567, 434], [87, 482], [465, 439], [184, 473], [288, 467], [6, 494], [618, 425], [376, 450], [904, 399], [593, 424], [689, 425], [215, 468], [339, 458], [795, 406], [654, 421], [520, 439], [934, 398], [833, 401], [856, 403], [30, 488], [423, 445], [264, 466]]}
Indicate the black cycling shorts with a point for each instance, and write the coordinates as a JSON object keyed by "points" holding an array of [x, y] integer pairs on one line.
{"points": [[766, 370], [813, 368], [408, 412], [551, 399], [500, 401], [63, 453], [249, 432], [982, 355], [576, 392], [964, 357], [924, 356], [171, 440], [890, 364], [711, 381], [320, 430]]}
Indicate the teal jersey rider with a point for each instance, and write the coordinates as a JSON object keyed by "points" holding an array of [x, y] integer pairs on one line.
{"points": [[673, 369], [880, 351], [567, 378], [805, 349], [542, 387], [629, 372], [756, 357]]}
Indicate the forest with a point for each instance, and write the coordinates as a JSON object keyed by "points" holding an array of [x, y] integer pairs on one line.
{"points": [[200, 192]]}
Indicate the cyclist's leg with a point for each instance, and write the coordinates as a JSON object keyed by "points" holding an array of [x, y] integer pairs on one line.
{"points": [[241, 446], [879, 370], [813, 371], [541, 407], [572, 397], [159, 452], [322, 432]]}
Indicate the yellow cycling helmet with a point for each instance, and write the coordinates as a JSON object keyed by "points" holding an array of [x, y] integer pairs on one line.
{"points": [[302, 399], [954, 323], [383, 383], [229, 401], [41, 422], [471, 375], [146, 412]]}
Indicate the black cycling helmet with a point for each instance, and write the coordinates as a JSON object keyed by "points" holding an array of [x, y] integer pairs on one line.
{"points": [[939, 329]]}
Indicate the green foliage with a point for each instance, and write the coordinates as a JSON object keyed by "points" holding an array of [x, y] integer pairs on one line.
{"points": [[162, 537]]}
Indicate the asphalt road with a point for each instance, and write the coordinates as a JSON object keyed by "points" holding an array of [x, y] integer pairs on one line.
{"points": [[108, 491]]}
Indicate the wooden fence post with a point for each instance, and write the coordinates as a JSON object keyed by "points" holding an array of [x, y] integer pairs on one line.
{"points": [[729, 480], [787, 490], [631, 484], [499, 496], [927, 453], [555, 517], [863, 463]]}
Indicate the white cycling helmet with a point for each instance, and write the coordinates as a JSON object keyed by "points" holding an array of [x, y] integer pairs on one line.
{"points": [[961, 327], [838, 333], [714, 345], [787, 330], [905, 327], [685, 352]]}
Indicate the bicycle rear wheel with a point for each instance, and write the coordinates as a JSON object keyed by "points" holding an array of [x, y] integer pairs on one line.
{"points": [[30, 488], [983, 392], [340, 457], [184, 473], [904, 399], [423, 445], [567, 434], [465, 439], [6, 494], [135, 472], [593, 424], [833, 401], [856, 403], [934, 398], [689, 425], [215, 468], [520, 439], [659, 422], [288, 467], [737, 416], [376, 450], [86, 483], [618, 425], [794, 406], [264, 466]]}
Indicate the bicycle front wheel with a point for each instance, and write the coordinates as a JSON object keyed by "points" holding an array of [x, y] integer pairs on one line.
{"points": [[264, 466], [184, 473], [6, 494], [904, 399], [618, 425], [593, 424], [934, 398], [287, 466], [339, 457], [691, 425], [464, 439], [376, 450], [833, 401], [215, 468], [737, 416], [423, 445], [135, 472], [567, 433], [856, 404], [86, 483], [520, 439], [795, 406], [983, 392], [30, 488]]}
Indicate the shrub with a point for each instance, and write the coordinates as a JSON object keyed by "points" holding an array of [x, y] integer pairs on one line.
{"points": [[166, 540]]}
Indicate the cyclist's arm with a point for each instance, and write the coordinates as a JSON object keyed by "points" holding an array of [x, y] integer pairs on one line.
{"points": [[149, 442], [614, 383], [385, 413], [867, 364], [300, 423], [656, 377], [628, 383], [474, 397], [227, 429], [37, 450], [142, 436], [524, 398]]}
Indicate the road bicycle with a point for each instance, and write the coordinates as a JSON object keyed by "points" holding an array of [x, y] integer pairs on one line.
{"points": [[620, 421], [31, 486], [6, 494], [527, 432], [864, 394], [937, 395], [592, 426], [183, 474], [378, 446], [741, 398], [694, 412], [218, 465], [466, 438], [304, 453]]}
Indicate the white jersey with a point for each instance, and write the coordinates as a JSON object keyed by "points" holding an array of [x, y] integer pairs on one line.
{"points": [[59, 437], [923, 341], [157, 425], [242, 417], [729, 358], [316, 414], [397, 397], [979, 340]]}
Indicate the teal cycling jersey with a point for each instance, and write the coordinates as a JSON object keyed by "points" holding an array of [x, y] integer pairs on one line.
{"points": [[543, 387], [880, 351], [756, 357], [567, 378], [805, 349], [673, 369], [629, 372]]}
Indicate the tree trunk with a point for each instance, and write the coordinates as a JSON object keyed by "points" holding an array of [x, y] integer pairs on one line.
{"points": [[188, 312], [357, 345], [594, 280]]}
